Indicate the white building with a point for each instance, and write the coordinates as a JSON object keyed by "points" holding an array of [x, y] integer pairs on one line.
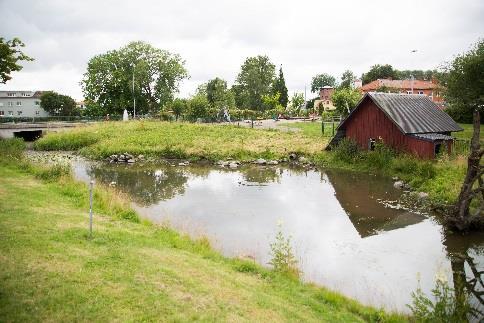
{"points": [[18, 104]]}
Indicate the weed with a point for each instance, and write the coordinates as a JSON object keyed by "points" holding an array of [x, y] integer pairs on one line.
{"points": [[347, 151], [283, 259]]}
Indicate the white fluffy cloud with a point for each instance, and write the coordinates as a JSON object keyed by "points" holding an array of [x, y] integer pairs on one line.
{"points": [[214, 37]]}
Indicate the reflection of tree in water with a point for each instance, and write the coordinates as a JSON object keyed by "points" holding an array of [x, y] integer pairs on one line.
{"points": [[141, 183], [261, 175], [463, 252]]}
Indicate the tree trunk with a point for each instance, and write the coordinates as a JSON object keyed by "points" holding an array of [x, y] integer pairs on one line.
{"points": [[462, 219]]}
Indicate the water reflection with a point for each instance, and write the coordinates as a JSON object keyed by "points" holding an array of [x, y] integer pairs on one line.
{"points": [[344, 237]]}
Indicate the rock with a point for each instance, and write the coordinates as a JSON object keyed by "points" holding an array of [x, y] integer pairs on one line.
{"points": [[185, 163], [423, 195], [112, 184], [220, 163], [292, 156], [395, 178], [233, 165], [272, 162], [131, 161], [302, 159], [399, 184], [260, 161], [121, 157], [141, 157]]}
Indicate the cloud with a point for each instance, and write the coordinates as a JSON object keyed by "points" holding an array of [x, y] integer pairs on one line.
{"points": [[215, 37]]}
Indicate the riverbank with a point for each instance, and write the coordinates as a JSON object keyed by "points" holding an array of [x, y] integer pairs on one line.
{"points": [[441, 179], [131, 270]]}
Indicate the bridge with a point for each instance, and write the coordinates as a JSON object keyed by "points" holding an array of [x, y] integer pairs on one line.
{"points": [[32, 131]]}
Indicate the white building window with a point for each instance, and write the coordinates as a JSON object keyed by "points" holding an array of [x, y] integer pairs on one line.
{"points": [[10, 113], [11, 94], [420, 92], [37, 113], [19, 113], [2, 113], [19, 103], [10, 103], [409, 92], [25, 94]]}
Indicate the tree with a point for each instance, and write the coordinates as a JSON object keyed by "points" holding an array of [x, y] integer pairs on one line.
{"points": [[254, 80], [218, 95], [297, 101], [10, 55], [198, 107], [178, 106], [345, 100], [108, 80], [280, 87], [379, 72], [321, 80], [464, 88], [58, 104], [347, 79]]}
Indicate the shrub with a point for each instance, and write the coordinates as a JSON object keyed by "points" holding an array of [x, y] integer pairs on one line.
{"points": [[52, 173], [66, 141], [449, 306], [11, 149], [283, 259], [346, 151], [381, 157]]}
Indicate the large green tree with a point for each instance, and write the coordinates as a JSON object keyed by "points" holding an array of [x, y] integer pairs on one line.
{"points": [[10, 55], [255, 80], [218, 95], [464, 88], [345, 100], [321, 80], [58, 104], [109, 78], [347, 79], [379, 72], [280, 87], [297, 101]]}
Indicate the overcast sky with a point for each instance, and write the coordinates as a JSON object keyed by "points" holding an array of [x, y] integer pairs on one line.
{"points": [[215, 37]]}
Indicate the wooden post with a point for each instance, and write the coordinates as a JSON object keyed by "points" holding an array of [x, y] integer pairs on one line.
{"points": [[322, 127], [333, 128]]}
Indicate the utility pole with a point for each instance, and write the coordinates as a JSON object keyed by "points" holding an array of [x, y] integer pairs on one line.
{"points": [[411, 76]]}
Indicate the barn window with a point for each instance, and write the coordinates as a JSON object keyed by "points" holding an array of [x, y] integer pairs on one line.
{"points": [[371, 144]]}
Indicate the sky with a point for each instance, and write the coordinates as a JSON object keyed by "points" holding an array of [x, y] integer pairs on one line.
{"points": [[215, 37]]}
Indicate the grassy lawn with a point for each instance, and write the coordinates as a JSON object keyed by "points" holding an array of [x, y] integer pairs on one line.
{"points": [[467, 133], [180, 140], [312, 129], [131, 270]]}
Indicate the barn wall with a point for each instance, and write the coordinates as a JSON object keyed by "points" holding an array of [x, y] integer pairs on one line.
{"points": [[370, 122]]}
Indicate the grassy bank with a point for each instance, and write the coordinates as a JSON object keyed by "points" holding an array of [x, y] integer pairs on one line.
{"points": [[441, 178], [130, 270], [180, 140]]}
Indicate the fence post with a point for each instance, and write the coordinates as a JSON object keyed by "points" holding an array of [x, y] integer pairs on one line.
{"points": [[91, 184], [333, 128], [322, 127]]}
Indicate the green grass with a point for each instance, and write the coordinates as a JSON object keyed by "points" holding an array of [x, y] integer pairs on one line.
{"points": [[131, 270], [179, 140], [467, 133], [312, 129]]}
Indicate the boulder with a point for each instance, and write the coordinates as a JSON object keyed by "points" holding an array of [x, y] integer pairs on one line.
{"points": [[272, 162], [399, 185], [260, 161], [423, 195], [233, 165], [131, 161], [292, 156], [303, 159]]}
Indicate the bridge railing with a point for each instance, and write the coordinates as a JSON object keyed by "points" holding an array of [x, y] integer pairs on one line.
{"points": [[12, 119]]}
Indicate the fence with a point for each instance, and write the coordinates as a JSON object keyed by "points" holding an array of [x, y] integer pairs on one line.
{"points": [[10, 119]]}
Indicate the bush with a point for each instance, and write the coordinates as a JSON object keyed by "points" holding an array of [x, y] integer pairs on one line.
{"points": [[66, 141], [381, 157], [449, 306], [52, 173], [11, 149], [346, 151], [283, 259]]}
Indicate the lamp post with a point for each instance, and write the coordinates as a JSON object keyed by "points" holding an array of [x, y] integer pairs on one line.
{"points": [[134, 97]]}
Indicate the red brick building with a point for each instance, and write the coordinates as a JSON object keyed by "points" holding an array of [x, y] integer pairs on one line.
{"points": [[430, 89], [405, 122]]}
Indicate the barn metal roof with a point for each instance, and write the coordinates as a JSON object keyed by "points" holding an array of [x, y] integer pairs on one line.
{"points": [[432, 136], [411, 113]]}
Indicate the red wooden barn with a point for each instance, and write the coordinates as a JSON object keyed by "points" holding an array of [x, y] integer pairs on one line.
{"points": [[406, 122]]}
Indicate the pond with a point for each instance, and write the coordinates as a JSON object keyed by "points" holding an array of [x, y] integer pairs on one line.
{"points": [[347, 229]]}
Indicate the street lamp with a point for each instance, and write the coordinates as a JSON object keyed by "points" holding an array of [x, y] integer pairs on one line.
{"points": [[134, 97]]}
